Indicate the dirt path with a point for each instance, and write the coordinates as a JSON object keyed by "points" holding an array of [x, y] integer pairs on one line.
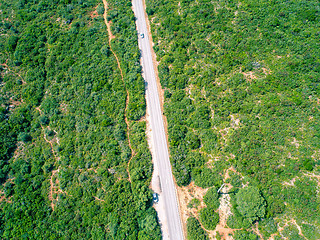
{"points": [[7, 67], [111, 36], [54, 185]]}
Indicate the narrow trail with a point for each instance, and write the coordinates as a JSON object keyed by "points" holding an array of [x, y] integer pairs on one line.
{"points": [[7, 67], [54, 188], [111, 36]]}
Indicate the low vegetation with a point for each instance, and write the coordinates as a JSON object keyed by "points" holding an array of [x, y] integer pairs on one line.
{"points": [[67, 168], [241, 81]]}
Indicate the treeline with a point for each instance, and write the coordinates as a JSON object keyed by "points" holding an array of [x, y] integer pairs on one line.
{"points": [[241, 84], [64, 146]]}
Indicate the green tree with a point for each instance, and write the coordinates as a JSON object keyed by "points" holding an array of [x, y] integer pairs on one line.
{"points": [[209, 218], [24, 137], [100, 9], [211, 199], [194, 230], [250, 204], [244, 235]]}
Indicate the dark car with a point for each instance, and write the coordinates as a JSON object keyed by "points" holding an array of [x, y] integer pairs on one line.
{"points": [[155, 197]]}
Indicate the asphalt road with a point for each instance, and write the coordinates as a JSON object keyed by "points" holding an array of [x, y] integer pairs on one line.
{"points": [[157, 128]]}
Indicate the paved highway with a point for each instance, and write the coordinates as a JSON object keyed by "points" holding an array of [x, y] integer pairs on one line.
{"points": [[157, 128]]}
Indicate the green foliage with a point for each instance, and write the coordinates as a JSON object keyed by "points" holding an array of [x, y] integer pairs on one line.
{"points": [[12, 43], [195, 231], [192, 141], [237, 221], [245, 235], [24, 137], [205, 177], [234, 180], [62, 89], [291, 232], [250, 203], [211, 199], [310, 231], [243, 77], [301, 199], [267, 227], [209, 218], [44, 120], [194, 203], [100, 9]]}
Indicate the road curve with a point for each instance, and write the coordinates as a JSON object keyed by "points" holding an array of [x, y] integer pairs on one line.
{"points": [[161, 153]]}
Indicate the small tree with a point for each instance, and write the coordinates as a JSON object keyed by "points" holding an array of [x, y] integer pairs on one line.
{"points": [[194, 230], [245, 235], [211, 199], [209, 218], [100, 9], [251, 204], [24, 137]]}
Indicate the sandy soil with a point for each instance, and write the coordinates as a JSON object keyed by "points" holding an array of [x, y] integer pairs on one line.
{"points": [[185, 195]]}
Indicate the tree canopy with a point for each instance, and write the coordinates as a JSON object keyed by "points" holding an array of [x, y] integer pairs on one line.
{"points": [[251, 204]]}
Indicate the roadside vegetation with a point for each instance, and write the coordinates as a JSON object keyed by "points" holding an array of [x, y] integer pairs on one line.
{"points": [[241, 91], [67, 170]]}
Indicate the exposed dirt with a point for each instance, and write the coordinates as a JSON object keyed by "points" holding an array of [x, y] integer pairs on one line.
{"points": [[287, 223], [108, 24], [19, 151], [295, 142], [235, 122], [249, 76], [185, 195], [255, 229], [111, 36], [7, 67], [98, 199], [266, 71], [224, 212], [314, 176], [94, 13], [54, 185], [53, 189], [291, 182]]}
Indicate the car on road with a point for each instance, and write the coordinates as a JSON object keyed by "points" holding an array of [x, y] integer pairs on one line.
{"points": [[155, 197], [142, 35]]}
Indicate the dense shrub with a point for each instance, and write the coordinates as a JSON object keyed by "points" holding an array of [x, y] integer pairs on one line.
{"points": [[209, 218], [194, 230], [211, 199], [250, 203]]}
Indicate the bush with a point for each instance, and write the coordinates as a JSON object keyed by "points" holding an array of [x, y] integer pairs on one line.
{"points": [[211, 199], [195, 231], [44, 120], [209, 218], [100, 9], [194, 203], [24, 137], [251, 204], [267, 227], [204, 177], [192, 141], [244, 235]]}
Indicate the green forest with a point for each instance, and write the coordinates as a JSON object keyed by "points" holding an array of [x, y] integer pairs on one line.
{"points": [[74, 161], [241, 96]]}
